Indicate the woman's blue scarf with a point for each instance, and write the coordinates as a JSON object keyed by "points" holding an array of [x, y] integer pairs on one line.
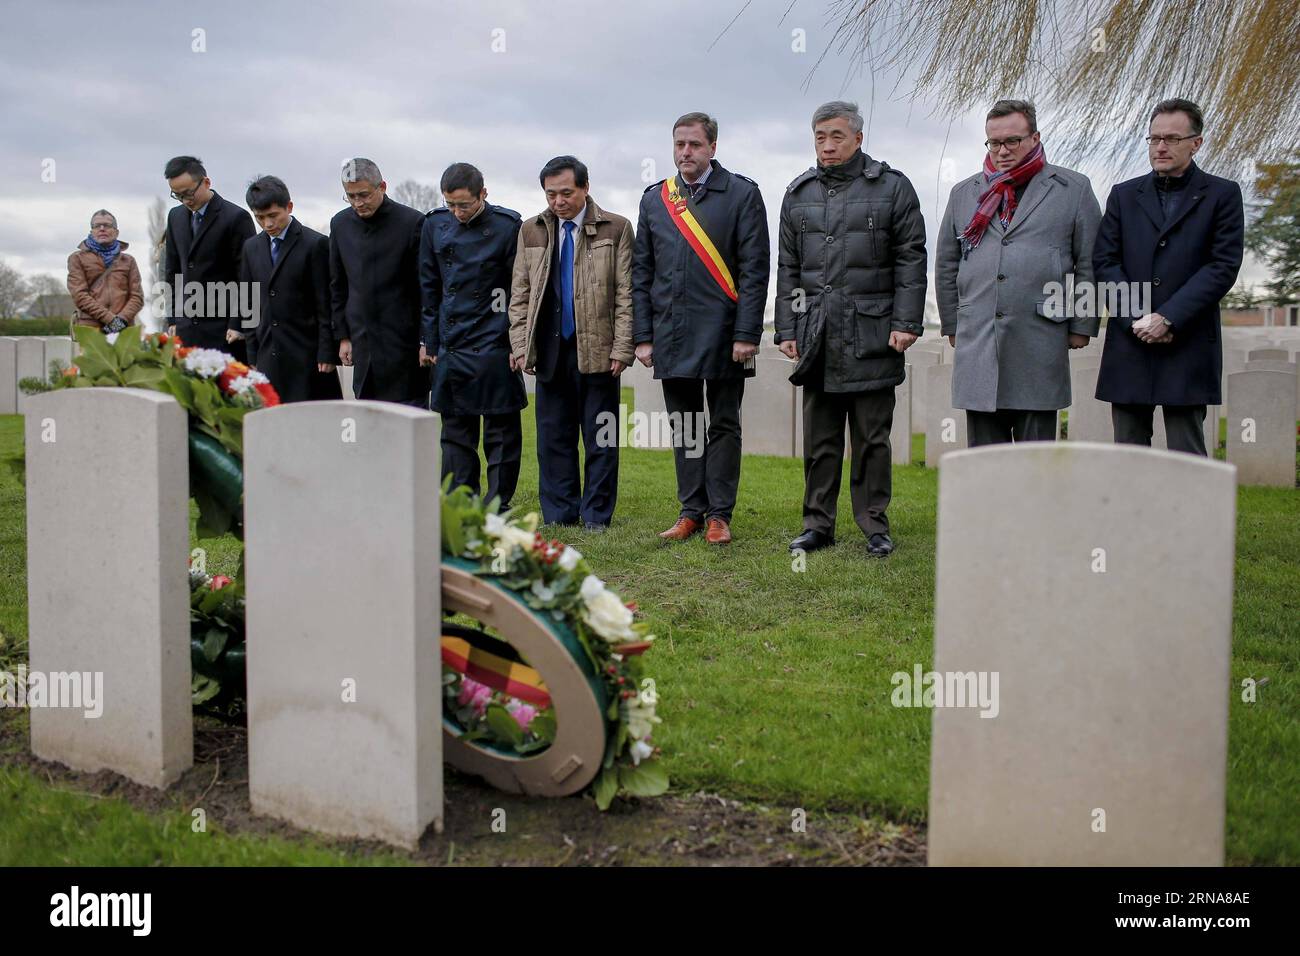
{"points": [[107, 253]]}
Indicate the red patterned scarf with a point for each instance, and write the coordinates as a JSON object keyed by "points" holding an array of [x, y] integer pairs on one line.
{"points": [[1000, 196]]}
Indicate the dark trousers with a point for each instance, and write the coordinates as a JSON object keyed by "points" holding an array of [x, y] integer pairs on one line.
{"points": [[870, 416], [503, 444], [1009, 424], [567, 403], [707, 482], [1184, 426]]}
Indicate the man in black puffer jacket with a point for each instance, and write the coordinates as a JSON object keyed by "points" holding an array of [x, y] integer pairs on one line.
{"points": [[850, 300]]}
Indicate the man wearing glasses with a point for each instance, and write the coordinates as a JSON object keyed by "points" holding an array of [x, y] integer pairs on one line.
{"points": [[1010, 235], [467, 256], [205, 244], [375, 289], [1180, 230]]}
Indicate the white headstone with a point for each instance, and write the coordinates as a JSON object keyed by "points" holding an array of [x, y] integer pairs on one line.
{"points": [[900, 433], [1261, 427], [345, 381], [768, 410], [8, 375], [30, 363], [58, 347], [648, 402], [107, 578], [1109, 627], [344, 689], [945, 426], [1268, 354], [1089, 418], [917, 361]]}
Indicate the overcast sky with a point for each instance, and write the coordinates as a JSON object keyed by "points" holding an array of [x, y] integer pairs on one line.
{"points": [[109, 92]]}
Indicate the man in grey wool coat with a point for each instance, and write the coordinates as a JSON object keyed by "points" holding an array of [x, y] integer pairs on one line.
{"points": [[1010, 233]]}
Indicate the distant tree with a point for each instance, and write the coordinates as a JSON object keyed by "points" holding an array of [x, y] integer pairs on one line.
{"points": [[417, 195], [1096, 65], [46, 292], [13, 291], [1273, 234], [1242, 296], [157, 238]]}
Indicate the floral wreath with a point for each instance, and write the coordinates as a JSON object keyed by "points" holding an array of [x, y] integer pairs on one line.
{"points": [[549, 576]]}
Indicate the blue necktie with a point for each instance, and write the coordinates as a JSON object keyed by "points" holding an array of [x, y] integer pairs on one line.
{"points": [[196, 220], [566, 282], [275, 251]]}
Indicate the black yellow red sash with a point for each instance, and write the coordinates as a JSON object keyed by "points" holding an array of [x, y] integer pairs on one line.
{"points": [[515, 679], [695, 236]]}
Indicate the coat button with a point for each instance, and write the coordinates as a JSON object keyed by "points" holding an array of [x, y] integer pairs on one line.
{"points": [[273, 293], [830, 238], [999, 315], [1155, 281], [826, 288], [1001, 278], [830, 192], [1006, 242], [1163, 241]]}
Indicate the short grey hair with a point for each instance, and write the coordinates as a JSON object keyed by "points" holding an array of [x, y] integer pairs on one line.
{"points": [[362, 171], [102, 212], [839, 109]]}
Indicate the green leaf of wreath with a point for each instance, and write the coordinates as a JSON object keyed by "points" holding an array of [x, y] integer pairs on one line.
{"points": [[503, 725], [647, 779], [605, 788]]}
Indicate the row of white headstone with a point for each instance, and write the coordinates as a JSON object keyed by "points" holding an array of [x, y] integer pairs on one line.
{"points": [[27, 356], [1263, 405], [1108, 627]]}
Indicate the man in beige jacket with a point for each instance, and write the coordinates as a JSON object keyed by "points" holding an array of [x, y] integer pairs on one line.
{"points": [[103, 280], [571, 326]]}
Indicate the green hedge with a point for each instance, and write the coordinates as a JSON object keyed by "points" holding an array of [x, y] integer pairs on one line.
{"points": [[54, 326]]}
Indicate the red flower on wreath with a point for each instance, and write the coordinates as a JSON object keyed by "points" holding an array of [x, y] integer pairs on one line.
{"points": [[269, 396]]}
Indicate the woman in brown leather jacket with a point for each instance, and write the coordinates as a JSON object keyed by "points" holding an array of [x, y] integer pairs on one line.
{"points": [[103, 280]]}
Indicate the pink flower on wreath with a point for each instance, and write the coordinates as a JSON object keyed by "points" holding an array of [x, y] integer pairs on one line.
{"points": [[522, 713], [218, 582], [475, 695]]}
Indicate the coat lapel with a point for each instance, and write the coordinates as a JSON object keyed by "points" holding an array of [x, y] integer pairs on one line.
{"points": [[1035, 193], [1195, 190], [1150, 202], [205, 227]]}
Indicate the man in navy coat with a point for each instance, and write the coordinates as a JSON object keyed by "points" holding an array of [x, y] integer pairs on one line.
{"points": [[467, 257], [1181, 230]]}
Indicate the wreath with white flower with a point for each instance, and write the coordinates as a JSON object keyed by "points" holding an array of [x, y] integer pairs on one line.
{"points": [[554, 578]]}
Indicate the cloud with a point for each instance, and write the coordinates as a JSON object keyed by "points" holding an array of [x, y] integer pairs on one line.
{"points": [[295, 88]]}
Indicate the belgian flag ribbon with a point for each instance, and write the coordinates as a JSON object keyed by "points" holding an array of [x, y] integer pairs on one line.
{"points": [[679, 212]]}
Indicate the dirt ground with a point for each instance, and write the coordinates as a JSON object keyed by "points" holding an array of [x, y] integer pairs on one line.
{"points": [[695, 829]]}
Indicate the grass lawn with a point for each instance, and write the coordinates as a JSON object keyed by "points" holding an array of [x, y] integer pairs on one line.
{"points": [[774, 680]]}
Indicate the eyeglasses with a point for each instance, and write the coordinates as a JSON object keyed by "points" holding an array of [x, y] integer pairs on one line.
{"points": [[188, 194], [1167, 140], [1011, 142], [355, 198]]}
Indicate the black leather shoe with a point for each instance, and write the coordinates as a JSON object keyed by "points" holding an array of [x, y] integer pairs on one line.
{"points": [[811, 540], [880, 546]]}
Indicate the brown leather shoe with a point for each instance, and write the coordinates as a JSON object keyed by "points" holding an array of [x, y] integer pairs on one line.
{"points": [[718, 533], [683, 529]]}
